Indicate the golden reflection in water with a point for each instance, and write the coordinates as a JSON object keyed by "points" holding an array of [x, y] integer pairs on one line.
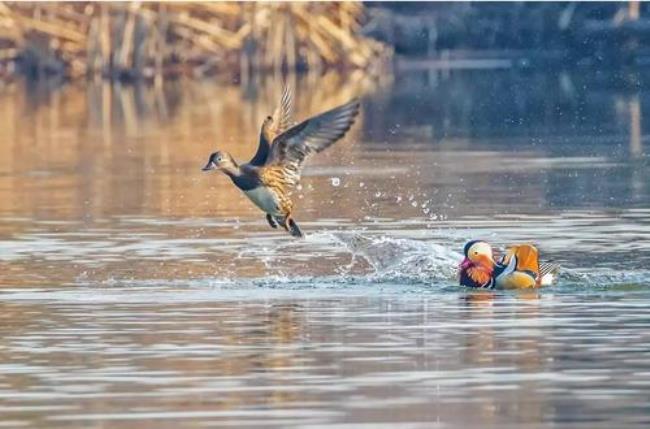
{"points": [[96, 153], [202, 343], [492, 346], [88, 151]]}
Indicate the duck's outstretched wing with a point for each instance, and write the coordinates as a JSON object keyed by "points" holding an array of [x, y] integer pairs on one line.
{"points": [[282, 116], [290, 148], [273, 126]]}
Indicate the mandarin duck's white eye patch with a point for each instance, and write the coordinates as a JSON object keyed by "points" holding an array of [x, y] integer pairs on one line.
{"points": [[480, 248]]}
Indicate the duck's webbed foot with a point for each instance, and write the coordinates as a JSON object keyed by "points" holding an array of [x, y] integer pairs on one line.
{"points": [[271, 221], [293, 228], [285, 222], [282, 221]]}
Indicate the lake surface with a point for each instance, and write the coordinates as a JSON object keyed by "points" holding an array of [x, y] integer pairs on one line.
{"points": [[137, 291]]}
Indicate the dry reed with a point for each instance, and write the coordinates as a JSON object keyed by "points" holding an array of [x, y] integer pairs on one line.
{"points": [[156, 39]]}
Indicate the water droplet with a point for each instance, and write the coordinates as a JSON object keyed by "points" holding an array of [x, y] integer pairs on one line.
{"points": [[361, 184], [377, 194], [414, 203], [335, 181]]}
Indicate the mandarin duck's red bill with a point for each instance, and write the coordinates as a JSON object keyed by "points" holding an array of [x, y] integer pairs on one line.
{"points": [[519, 268]]}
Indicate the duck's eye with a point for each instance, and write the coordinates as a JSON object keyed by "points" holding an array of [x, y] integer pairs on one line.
{"points": [[476, 253], [218, 159]]}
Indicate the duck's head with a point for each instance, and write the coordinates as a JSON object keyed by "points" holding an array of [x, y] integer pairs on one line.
{"points": [[478, 253], [266, 128], [220, 161]]}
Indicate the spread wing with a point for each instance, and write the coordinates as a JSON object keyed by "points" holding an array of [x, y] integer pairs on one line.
{"points": [[274, 126], [282, 116], [315, 134]]}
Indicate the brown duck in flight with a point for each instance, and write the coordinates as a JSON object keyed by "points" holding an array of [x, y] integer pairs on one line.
{"points": [[268, 178]]}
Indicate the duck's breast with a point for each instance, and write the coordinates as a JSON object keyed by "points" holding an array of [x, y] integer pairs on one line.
{"points": [[265, 199]]}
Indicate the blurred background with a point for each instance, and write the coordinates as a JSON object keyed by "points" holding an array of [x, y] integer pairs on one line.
{"points": [[107, 111], [155, 40], [136, 290]]}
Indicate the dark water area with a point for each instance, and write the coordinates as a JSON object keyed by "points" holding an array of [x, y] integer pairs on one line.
{"points": [[137, 290]]}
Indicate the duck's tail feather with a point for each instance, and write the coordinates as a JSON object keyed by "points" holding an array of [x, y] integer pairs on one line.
{"points": [[548, 273]]}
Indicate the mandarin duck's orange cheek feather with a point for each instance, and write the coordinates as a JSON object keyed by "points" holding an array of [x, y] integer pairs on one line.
{"points": [[474, 275], [479, 274], [485, 262]]}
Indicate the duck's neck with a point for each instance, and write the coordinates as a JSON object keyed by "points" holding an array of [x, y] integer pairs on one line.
{"points": [[233, 171]]}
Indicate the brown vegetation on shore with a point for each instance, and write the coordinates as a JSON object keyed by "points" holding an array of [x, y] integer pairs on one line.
{"points": [[151, 40]]}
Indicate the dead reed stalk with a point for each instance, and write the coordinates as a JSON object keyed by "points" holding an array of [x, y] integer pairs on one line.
{"points": [[156, 39]]}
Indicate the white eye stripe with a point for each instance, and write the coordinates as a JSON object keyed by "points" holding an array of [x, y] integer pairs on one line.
{"points": [[481, 248]]}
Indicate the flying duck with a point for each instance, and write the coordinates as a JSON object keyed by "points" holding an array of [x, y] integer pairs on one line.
{"points": [[519, 268], [270, 176]]}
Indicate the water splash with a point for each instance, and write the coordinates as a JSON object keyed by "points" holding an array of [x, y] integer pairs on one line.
{"points": [[603, 278], [395, 258]]}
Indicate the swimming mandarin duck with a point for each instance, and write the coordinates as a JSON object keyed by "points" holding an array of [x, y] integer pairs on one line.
{"points": [[270, 176], [519, 268]]}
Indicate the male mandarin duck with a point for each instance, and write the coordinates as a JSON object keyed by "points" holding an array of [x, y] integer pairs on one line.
{"points": [[270, 176], [519, 268]]}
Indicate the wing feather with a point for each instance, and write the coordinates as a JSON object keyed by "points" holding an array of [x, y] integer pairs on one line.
{"points": [[548, 273], [273, 126], [282, 116], [291, 148]]}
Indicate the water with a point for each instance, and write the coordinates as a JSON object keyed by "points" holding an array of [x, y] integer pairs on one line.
{"points": [[138, 291]]}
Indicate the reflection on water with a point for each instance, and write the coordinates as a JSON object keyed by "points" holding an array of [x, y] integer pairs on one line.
{"points": [[137, 290], [311, 363]]}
